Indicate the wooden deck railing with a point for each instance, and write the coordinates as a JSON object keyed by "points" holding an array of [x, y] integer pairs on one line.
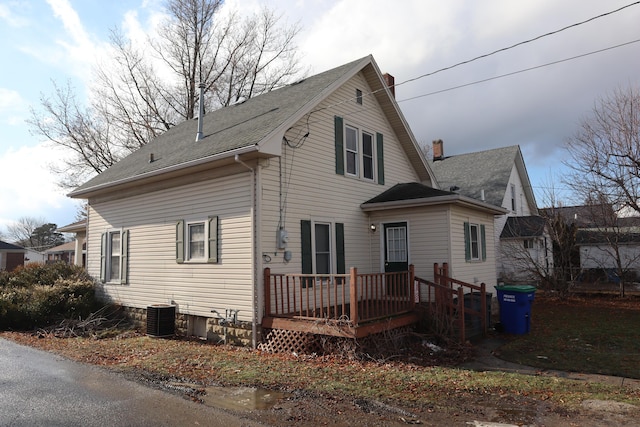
{"points": [[350, 298], [446, 304]]}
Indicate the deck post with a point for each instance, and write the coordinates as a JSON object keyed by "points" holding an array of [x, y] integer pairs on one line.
{"points": [[353, 294], [267, 291], [483, 307], [445, 274], [436, 273], [412, 286], [461, 313]]}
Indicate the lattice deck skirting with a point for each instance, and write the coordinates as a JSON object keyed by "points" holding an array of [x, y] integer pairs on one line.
{"points": [[287, 341]]}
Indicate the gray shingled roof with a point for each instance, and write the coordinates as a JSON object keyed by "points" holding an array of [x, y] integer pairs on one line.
{"points": [[225, 130], [484, 170], [407, 191], [523, 226], [10, 247]]}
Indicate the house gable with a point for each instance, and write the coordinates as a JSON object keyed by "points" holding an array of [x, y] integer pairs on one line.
{"points": [[252, 129], [488, 175]]}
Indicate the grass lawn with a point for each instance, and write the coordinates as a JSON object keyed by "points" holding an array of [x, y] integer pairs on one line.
{"points": [[599, 335]]}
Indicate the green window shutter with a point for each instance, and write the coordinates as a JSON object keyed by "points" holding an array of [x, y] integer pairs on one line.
{"points": [[340, 259], [306, 252], [339, 140], [380, 156], [467, 241], [483, 242], [180, 242], [307, 255], [124, 257], [213, 240], [103, 258]]}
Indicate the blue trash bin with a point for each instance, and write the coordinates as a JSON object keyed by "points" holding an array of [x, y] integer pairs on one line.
{"points": [[515, 307]]}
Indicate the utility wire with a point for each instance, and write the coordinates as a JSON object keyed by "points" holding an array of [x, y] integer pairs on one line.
{"points": [[360, 111], [493, 53], [520, 43], [520, 71]]}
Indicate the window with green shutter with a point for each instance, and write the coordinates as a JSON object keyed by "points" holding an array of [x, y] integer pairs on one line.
{"points": [[114, 256], [198, 241], [319, 242], [358, 153]]}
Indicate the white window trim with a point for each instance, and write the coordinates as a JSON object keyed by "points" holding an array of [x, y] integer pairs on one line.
{"points": [[360, 153], [187, 247], [109, 253]]}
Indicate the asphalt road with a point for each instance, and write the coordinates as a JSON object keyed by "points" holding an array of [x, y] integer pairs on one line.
{"points": [[42, 389]]}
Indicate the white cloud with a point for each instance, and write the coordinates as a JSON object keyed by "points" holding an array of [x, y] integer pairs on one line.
{"points": [[7, 15], [12, 107], [28, 188]]}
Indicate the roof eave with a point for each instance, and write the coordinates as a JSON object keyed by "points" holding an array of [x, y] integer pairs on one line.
{"points": [[96, 189], [434, 201]]}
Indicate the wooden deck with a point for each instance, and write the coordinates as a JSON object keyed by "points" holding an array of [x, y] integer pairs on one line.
{"points": [[346, 305], [358, 305]]}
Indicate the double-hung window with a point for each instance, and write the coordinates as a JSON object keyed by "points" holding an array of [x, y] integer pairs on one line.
{"points": [[475, 247], [359, 153], [323, 251], [195, 244], [114, 254], [197, 241], [351, 150], [322, 248], [367, 156]]}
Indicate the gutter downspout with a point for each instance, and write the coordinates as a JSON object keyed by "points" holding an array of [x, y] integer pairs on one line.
{"points": [[254, 255]]}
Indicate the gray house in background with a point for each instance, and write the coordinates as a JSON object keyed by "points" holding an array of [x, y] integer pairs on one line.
{"points": [[499, 177]]}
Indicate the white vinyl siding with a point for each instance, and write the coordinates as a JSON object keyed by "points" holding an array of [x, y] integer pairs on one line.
{"points": [[154, 275], [312, 188], [471, 272]]}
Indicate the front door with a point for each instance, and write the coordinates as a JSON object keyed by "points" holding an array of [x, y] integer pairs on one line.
{"points": [[396, 256]]}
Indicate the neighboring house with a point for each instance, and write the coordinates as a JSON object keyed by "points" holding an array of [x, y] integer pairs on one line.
{"points": [[33, 257], [61, 253], [607, 244], [499, 177], [309, 179], [79, 246], [11, 256]]}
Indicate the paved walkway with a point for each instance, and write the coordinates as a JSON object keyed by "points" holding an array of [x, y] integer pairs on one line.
{"points": [[485, 360]]}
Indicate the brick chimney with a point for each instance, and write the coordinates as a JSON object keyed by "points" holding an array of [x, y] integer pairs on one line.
{"points": [[438, 150], [391, 83]]}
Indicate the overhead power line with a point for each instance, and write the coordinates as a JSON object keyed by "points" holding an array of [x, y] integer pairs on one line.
{"points": [[498, 51], [519, 43], [520, 71]]}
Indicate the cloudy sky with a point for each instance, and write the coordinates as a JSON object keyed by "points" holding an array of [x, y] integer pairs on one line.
{"points": [[61, 40]]}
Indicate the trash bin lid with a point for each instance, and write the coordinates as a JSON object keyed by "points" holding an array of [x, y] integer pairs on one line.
{"points": [[516, 288]]}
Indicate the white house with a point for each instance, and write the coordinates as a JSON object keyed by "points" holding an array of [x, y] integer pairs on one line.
{"points": [[499, 177], [310, 179]]}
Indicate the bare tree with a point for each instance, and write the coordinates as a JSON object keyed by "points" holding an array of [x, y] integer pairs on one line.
{"points": [[142, 92], [604, 154], [21, 231], [605, 163]]}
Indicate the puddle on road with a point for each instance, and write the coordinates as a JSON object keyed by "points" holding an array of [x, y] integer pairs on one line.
{"points": [[239, 398]]}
